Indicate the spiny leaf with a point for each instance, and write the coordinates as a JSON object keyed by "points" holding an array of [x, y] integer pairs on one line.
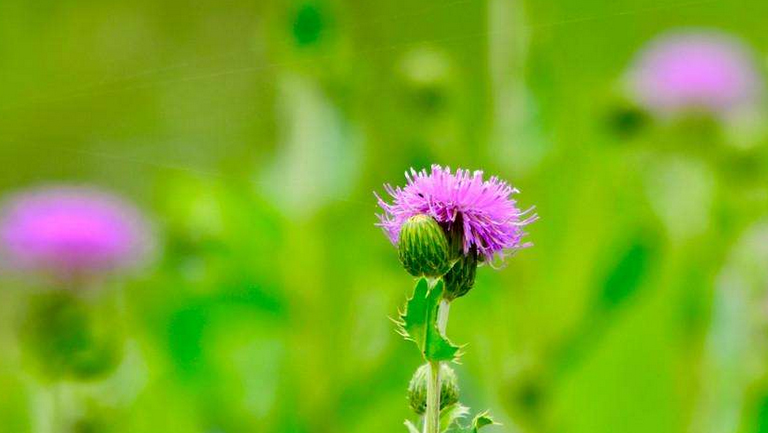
{"points": [[418, 322], [412, 320], [411, 428], [451, 414], [481, 420]]}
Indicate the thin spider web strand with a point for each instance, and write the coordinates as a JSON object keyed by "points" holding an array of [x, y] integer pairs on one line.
{"points": [[330, 56]]}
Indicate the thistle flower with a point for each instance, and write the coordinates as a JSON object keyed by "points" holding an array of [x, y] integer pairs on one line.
{"points": [[71, 232], [475, 213], [687, 71]]}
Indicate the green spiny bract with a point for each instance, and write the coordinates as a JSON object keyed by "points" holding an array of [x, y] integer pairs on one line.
{"points": [[423, 247], [460, 279], [417, 389]]}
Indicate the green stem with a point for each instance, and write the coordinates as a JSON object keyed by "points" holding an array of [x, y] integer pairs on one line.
{"points": [[58, 421], [432, 415], [442, 316], [432, 421], [46, 407]]}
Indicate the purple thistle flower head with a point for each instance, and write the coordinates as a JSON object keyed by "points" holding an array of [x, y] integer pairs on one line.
{"points": [[481, 211], [695, 70], [71, 232]]}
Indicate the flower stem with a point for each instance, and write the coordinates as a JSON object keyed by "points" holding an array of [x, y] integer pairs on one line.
{"points": [[442, 316], [432, 415], [432, 421]]}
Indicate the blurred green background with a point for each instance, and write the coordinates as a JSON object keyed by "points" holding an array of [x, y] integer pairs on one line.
{"points": [[254, 132]]}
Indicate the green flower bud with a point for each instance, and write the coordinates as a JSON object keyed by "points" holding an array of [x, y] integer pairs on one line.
{"points": [[460, 279], [417, 389], [456, 240], [63, 339], [423, 247]]}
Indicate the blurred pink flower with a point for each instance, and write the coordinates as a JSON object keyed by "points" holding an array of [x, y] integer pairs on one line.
{"points": [[695, 70], [71, 232]]}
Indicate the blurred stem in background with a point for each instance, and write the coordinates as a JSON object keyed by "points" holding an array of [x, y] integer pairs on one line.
{"points": [[45, 404], [69, 342]]}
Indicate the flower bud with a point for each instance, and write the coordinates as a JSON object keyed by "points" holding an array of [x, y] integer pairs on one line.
{"points": [[455, 235], [460, 279], [417, 389], [423, 247], [63, 339]]}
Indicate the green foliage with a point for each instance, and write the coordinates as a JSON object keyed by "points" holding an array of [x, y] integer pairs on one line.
{"points": [[309, 24], [65, 340], [411, 428], [481, 420], [418, 322], [450, 416], [627, 275], [217, 119]]}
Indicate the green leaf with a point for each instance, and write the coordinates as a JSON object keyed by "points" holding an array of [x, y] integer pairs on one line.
{"points": [[451, 414], [481, 420], [411, 428], [418, 322], [628, 275]]}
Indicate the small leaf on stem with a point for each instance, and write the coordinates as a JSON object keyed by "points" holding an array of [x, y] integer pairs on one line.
{"points": [[451, 414], [481, 420], [411, 428], [418, 322]]}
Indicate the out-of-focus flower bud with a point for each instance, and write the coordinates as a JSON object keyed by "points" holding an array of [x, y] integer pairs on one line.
{"points": [[63, 341]]}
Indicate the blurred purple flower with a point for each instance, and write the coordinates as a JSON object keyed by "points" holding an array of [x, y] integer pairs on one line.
{"points": [[71, 232], [482, 211], [695, 70]]}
